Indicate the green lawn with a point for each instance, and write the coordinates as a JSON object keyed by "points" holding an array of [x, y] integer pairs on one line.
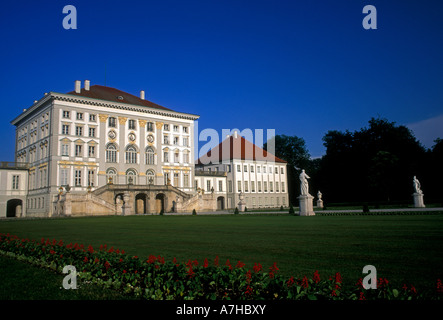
{"points": [[404, 249]]}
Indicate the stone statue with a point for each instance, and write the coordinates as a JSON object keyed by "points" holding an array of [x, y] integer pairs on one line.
{"points": [[319, 195], [304, 188], [417, 186]]}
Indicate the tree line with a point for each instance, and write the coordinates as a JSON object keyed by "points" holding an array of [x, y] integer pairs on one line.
{"points": [[375, 164]]}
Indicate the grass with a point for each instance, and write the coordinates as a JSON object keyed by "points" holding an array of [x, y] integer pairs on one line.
{"points": [[404, 249]]}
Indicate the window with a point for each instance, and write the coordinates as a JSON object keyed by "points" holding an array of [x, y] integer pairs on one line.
{"points": [[185, 129], [229, 186], [15, 182], [283, 187], [252, 186], [131, 125], [91, 178], [65, 129], [92, 118], [175, 128], [264, 169], [66, 114], [131, 154], [276, 169], [65, 149], [208, 185], [258, 169], [238, 168], [252, 168], [186, 157], [281, 170], [78, 131], [91, 132], [112, 123], [220, 185], [77, 177], [130, 176], [111, 153], [228, 168], [239, 186], [245, 168], [176, 182], [176, 157], [91, 151], [111, 175], [166, 156], [78, 150], [166, 127], [149, 156], [276, 187], [259, 186], [150, 176], [265, 186], [246, 186], [165, 139], [176, 141], [185, 180], [150, 126], [63, 177], [271, 188], [79, 116]]}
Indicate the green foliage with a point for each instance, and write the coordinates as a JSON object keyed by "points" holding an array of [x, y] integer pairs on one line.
{"points": [[157, 279], [194, 212], [236, 210], [291, 209]]}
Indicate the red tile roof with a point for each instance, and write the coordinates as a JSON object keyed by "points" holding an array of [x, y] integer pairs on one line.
{"points": [[112, 94], [237, 148]]}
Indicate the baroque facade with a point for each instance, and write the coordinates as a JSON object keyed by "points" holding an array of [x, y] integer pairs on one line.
{"points": [[99, 150]]}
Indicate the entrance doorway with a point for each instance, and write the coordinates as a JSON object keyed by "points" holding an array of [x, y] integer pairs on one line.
{"points": [[14, 208]]}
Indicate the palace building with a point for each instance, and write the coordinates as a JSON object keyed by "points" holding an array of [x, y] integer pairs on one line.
{"points": [[99, 150]]}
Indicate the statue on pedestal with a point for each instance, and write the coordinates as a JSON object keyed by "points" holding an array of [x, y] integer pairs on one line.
{"points": [[417, 186], [304, 187]]}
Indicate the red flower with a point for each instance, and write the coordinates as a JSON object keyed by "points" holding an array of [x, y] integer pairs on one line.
{"points": [[107, 265], [362, 296], [90, 249], [85, 260], [257, 268], [240, 264], [248, 291], [248, 276], [124, 271], [205, 263], [413, 290], [273, 269], [228, 264], [151, 259], [338, 278], [290, 282], [305, 283], [333, 293], [316, 277], [360, 283], [439, 286], [405, 287]]}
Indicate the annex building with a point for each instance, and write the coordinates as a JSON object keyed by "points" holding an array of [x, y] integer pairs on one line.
{"points": [[98, 150]]}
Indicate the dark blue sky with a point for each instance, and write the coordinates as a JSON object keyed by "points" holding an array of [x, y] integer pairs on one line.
{"points": [[299, 67]]}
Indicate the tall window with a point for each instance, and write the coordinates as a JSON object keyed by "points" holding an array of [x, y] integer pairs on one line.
{"points": [[271, 188], [246, 186], [186, 180], [78, 150], [15, 182], [265, 186], [130, 176], [66, 114], [165, 139], [186, 157], [92, 132], [91, 151], [112, 122], [176, 157], [131, 154], [111, 175], [79, 131], [63, 177], [91, 178], [208, 185], [166, 156], [65, 149], [220, 185], [176, 182], [78, 177], [252, 186], [259, 186], [150, 176], [65, 129], [149, 155], [150, 126], [283, 187], [239, 186], [229, 186], [186, 142], [276, 187], [92, 117], [111, 153]]}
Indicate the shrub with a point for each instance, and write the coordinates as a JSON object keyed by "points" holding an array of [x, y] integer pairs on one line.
{"points": [[194, 212], [291, 209], [281, 208], [236, 210]]}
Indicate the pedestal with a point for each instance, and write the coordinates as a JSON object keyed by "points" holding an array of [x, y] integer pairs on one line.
{"points": [[320, 204], [306, 207], [241, 206], [418, 200]]}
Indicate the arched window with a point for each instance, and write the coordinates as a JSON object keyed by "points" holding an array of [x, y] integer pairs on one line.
{"points": [[131, 154], [131, 176], [111, 176], [111, 153], [149, 155], [150, 174]]}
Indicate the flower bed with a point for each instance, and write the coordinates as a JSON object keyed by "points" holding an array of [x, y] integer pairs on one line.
{"points": [[155, 278]]}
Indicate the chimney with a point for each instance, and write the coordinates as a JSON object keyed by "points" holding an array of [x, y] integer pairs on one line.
{"points": [[87, 84], [142, 94], [77, 86]]}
